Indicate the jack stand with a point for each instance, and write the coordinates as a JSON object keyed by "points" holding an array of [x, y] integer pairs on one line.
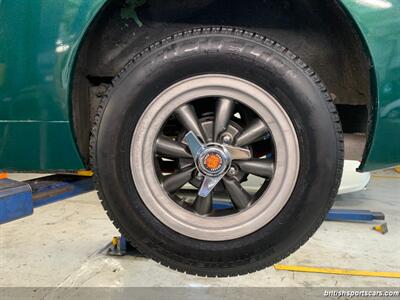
{"points": [[120, 247]]}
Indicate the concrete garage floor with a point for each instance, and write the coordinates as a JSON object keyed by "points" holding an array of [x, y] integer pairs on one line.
{"points": [[64, 245]]}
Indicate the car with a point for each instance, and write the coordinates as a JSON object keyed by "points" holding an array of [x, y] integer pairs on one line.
{"points": [[175, 105]]}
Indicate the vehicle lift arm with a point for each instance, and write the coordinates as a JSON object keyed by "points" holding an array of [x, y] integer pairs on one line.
{"points": [[19, 199]]}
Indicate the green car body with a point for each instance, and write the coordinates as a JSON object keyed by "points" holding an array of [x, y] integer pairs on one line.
{"points": [[39, 42]]}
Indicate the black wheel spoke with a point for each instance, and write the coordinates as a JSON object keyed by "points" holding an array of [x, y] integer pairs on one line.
{"points": [[167, 166], [174, 182], [239, 196], [252, 133], [186, 115], [171, 149], [203, 205], [223, 113], [259, 167]]}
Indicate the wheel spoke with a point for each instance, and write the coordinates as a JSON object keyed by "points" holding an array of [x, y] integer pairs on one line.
{"points": [[171, 149], [259, 167], [203, 205], [186, 115], [167, 166], [239, 196], [223, 113], [174, 182], [252, 133]]}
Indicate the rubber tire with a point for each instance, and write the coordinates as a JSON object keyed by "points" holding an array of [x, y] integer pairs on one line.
{"points": [[228, 51]]}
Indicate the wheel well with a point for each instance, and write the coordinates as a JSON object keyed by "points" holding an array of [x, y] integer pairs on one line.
{"points": [[319, 32]]}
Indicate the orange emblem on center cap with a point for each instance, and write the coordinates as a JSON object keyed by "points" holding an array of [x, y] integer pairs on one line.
{"points": [[213, 161]]}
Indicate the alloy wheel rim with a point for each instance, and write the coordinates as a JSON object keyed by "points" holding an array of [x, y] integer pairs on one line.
{"points": [[161, 191]]}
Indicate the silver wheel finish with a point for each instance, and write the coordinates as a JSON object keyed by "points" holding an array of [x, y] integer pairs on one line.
{"points": [[174, 99]]}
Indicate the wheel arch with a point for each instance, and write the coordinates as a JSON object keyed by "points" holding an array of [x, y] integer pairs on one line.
{"points": [[120, 29]]}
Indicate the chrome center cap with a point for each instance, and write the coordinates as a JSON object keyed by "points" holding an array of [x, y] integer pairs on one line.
{"points": [[213, 160]]}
